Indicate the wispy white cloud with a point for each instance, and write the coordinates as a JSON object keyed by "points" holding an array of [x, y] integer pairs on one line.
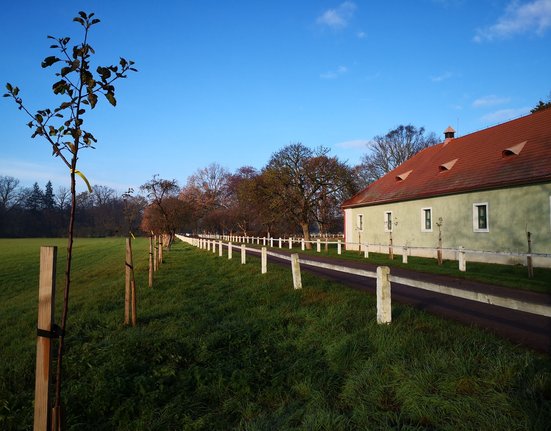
{"points": [[339, 17], [504, 115], [443, 77], [518, 18], [353, 144], [334, 74], [491, 100], [361, 35]]}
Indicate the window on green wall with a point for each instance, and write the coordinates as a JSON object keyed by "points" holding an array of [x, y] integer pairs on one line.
{"points": [[388, 221], [480, 217], [426, 219], [360, 222]]}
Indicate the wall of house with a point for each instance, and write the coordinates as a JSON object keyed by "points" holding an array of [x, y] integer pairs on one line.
{"points": [[511, 212]]}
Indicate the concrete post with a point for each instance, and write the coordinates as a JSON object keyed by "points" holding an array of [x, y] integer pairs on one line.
{"points": [[264, 261], [295, 269], [318, 245], [462, 260], [243, 255], [339, 247], [230, 250], [405, 255], [220, 250], [384, 310]]}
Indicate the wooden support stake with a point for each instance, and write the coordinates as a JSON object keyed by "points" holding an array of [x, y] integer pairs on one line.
{"points": [[151, 261], [295, 269], [46, 307], [243, 255], [384, 310], [133, 316], [264, 261], [128, 283], [529, 256], [155, 254], [160, 249]]}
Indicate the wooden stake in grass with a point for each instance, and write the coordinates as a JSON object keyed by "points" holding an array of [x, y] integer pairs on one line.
{"points": [[130, 287], [529, 256], [46, 307], [155, 254], [151, 261], [160, 249]]}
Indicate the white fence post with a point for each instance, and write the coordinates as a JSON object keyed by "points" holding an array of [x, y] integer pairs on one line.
{"points": [[366, 250], [230, 250], [220, 250], [290, 243], [339, 247], [405, 255], [384, 310], [264, 241], [462, 260], [264, 261], [295, 269], [279, 242], [302, 244], [318, 245], [243, 255], [271, 242]]}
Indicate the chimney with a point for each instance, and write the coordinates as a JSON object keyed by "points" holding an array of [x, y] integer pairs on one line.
{"points": [[449, 134]]}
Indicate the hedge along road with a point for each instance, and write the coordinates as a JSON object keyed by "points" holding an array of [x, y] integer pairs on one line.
{"points": [[530, 330]]}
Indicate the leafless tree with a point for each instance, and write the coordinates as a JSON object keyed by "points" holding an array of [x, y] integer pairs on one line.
{"points": [[391, 150], [10, 193]]}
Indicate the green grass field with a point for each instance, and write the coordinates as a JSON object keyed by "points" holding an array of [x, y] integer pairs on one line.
{"points": [[220, 346]]}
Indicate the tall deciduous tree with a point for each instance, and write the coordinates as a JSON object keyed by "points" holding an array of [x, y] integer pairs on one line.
{"points": [[297, 179], [10, 193], [62, 128], [160, 192], [388, 151]]}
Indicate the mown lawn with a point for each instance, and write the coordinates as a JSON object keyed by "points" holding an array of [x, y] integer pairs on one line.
{"points": [[220, 346]]}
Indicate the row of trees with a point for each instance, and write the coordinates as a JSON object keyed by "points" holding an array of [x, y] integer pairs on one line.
{"points": [[33, 211], [300, 190]]}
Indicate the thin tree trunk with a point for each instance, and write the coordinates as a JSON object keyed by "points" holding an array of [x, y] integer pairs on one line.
{"points": [[56, 414]]}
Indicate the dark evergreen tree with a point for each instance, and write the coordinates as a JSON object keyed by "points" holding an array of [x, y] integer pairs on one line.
{"points": [[49, 201]]}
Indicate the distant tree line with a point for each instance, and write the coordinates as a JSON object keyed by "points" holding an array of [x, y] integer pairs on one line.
{"points": [[36, 212], [299, 191]]}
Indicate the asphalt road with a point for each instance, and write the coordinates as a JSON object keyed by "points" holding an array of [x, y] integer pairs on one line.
{"points": [[522, 328]]}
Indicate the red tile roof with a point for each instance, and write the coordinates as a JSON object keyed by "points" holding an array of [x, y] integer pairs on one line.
{"points": [[481, 163]]}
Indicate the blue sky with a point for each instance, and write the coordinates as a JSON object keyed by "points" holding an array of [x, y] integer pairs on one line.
{"points": [[234, 81]]}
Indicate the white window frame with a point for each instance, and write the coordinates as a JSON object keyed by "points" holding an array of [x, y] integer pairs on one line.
{"points": [[360, 222], [423, 225], [476, 227], [385, 220]]}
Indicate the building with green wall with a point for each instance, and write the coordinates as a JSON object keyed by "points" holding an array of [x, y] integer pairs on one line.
{"points": [[483, 192]]}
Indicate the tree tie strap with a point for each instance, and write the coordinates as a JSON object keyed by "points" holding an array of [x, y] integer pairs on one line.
{"points": [[55, 332]]}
